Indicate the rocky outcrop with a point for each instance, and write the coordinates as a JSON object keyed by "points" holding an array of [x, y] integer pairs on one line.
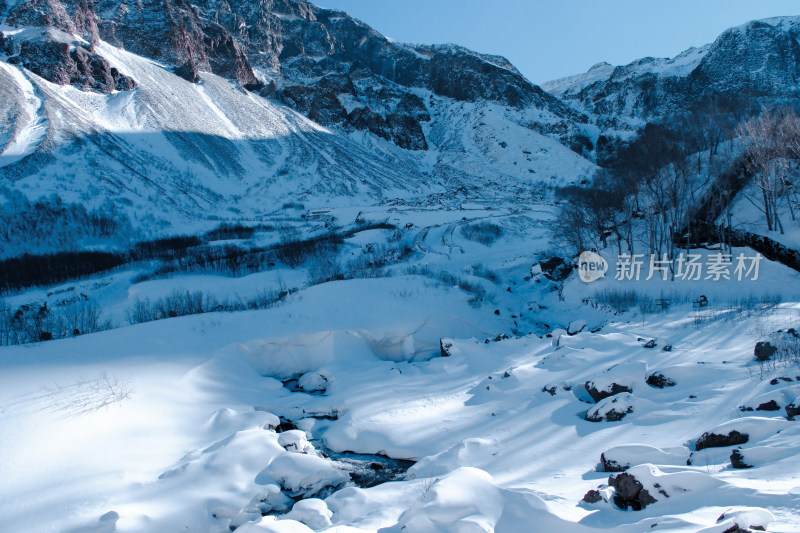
{"points": [[312, 56], [173, 31], [61, 63]]}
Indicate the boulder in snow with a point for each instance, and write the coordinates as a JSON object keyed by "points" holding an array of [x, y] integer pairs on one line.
{"points": [[312, 512], [629, 492], [717, 440], [575, 327], [607, 390], [737, 459], [764, 351], [659, 380], [611, 409], [793, 409], [295, 441]]}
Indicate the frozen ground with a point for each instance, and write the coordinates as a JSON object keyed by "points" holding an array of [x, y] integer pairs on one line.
{"points": [[171, 425]]}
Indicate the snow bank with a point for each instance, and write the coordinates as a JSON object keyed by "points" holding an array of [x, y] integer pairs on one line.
{"points": [[304, 474], [289, 357], [621, 458], [467, 500]]}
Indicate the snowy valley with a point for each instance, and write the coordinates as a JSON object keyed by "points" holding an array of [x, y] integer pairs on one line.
{"points": [[284, 274]]}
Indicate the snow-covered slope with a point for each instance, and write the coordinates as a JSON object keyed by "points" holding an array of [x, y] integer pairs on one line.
{"points": [[170, 150]]}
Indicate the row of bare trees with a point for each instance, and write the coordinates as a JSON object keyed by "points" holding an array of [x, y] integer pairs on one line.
{"points": [[649, 202], [773, 148], [35, 323]]}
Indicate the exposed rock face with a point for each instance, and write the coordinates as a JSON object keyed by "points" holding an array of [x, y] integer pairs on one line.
{"points": [[444, 347], [170, 31], [303, 48], [406, 132], [55, 62]]}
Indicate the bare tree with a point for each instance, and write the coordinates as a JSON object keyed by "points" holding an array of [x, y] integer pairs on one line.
{"points": [[773, 140]]}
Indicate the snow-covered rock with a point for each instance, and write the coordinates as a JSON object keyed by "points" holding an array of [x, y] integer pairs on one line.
{"points": [[304, 474], [312, 512]]}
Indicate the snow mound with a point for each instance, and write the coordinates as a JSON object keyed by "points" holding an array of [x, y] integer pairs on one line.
{"points": [[312, 512], [672, 484], [304, 474], [621, 458], [269, 524], [469, 452], [289, 357], [741, 517], [467, 501], [295, 441]]}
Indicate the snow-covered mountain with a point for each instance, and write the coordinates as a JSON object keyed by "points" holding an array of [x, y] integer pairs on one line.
{"points": [[178, 112], [757, 60]]}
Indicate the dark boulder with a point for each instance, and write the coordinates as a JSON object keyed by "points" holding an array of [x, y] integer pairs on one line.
{"points": [[555, 269], [659, 380], [593, 496], [715, 440], [792, 411], [610, 390], [629, 492], [764, 351], [771, 405], [609, 465], [444, 347], [737, 459]]}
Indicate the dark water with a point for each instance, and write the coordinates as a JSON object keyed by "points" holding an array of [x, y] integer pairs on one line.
{"points": [[367, 470]]}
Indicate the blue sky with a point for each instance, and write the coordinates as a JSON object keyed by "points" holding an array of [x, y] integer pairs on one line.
{"points": [[548, 39]]}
